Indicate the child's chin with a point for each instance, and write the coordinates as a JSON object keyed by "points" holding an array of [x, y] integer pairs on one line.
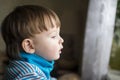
{"points": [[57, 57]]}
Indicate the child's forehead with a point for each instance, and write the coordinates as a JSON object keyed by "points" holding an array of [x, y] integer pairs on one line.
{"points": [[55, 30], [50, 31]]}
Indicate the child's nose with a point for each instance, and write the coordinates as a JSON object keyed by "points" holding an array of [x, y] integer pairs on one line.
{"points": [[61, 40]]}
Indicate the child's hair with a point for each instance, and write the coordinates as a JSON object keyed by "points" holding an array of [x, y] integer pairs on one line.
{"points": [[24, 22]]}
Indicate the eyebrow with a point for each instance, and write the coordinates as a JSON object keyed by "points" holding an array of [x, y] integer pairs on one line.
{"points": [[54, 31]]}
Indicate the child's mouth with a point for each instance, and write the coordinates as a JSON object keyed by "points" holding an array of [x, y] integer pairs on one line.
{"points": [[60, 51]]}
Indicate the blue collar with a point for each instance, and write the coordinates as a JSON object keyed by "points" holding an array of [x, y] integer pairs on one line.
{"points": [[43, 64]]}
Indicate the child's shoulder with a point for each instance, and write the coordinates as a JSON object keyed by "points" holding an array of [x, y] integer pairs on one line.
{"points": [[21, 69], [24, 66]]}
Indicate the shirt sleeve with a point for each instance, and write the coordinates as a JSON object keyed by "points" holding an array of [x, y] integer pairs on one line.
{"points": [[31, 76]]}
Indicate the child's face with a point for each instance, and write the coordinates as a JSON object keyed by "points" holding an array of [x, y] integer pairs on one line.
{"points": [[48, 44]]}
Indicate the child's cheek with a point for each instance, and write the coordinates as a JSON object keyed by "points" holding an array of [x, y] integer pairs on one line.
{"points": [[55, 49]]}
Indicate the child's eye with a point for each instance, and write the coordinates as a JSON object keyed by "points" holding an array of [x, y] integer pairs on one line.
{"points": [[53, 36]]}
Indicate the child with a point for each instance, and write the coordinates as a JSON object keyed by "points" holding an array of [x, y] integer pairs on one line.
{"points": [[33, 42]]}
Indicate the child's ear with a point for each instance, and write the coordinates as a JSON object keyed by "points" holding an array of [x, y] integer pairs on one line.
{"points": [[28, 46]]}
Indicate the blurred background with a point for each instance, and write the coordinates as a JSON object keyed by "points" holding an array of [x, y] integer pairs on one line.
{"points": [[72, 14]]}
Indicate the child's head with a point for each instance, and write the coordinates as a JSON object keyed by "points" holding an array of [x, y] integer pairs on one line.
{"points": [[23, 30]]}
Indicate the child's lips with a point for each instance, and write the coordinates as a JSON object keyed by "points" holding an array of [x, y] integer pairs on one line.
{"points": [[60, 51]]}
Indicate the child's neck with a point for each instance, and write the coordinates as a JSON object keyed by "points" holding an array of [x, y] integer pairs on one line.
{"points": [[43, 64]]}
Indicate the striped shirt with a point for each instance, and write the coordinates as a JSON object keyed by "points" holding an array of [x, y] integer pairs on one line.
{"points": [[21, 70]]}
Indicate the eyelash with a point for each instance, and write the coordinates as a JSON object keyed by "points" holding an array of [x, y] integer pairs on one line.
{"points": [[53, 36]]}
